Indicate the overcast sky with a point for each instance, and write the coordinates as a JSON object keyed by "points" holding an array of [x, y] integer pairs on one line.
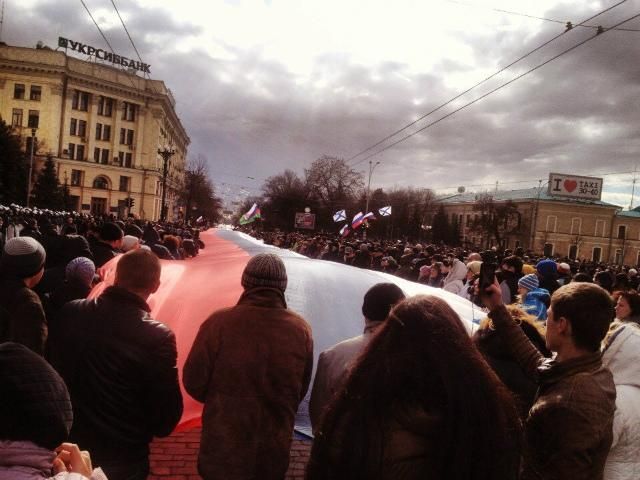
{"points": [[265, 86]]}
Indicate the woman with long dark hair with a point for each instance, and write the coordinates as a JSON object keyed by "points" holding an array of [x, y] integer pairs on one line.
{"points": [[420, 402]]}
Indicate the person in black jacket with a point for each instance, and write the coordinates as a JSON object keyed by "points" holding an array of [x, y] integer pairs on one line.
{"points": [[120, 367], [108, 246]]}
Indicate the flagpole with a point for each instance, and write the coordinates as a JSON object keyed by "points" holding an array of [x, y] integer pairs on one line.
{"points": [[372, 167]]}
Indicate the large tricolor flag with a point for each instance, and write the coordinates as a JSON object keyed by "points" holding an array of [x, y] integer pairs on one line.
{"points": [[251, 215], [340, 216]]}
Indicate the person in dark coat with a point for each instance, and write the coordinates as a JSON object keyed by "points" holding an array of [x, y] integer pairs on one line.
{"points": [[420, 403], [497, 355], [108, 244], [22, 318], [78, 281], [569, 429], [547, 271], [120, 367], [251, 366]]}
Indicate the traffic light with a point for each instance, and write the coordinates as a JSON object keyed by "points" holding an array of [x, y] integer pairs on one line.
{"points": [[130, 202]]}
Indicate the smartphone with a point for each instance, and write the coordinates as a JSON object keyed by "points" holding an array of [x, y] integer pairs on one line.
{"points": [[487, 275]]}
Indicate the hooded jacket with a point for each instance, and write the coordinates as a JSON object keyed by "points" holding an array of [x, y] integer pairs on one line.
{"points": [[622, 356], [454, 281]]}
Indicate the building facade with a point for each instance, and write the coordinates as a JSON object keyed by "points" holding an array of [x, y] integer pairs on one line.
{"points": [[578, 229], [102, 125]]}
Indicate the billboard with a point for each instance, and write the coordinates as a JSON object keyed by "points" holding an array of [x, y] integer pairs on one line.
{"points": [[575, 186], [305, 220]]}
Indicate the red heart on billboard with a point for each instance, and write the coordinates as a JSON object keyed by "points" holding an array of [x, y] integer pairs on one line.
{"points": [[570, 185]]}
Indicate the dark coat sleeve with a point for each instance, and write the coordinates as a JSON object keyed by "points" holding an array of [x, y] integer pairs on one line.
{"points": [[198, 368], [520, 347], [164, 399], [29, 323]]}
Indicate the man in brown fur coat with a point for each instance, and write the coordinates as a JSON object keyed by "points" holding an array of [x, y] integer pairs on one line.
{"points": [[250, 365]]}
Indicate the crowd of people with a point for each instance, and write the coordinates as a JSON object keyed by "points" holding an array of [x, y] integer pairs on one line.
{"points": [[547, 388]]}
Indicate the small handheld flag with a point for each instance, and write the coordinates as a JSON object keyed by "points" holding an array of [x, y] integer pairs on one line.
{"points": [[340, 216], [344, 231], [357, 220], [252, 215], [385, 211]]}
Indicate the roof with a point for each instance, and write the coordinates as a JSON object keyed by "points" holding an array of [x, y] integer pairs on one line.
{"points": [[630, 213], [522, 194]]}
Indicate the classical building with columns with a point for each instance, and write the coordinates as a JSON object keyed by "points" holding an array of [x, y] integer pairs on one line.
{"points": [[103, 125]]}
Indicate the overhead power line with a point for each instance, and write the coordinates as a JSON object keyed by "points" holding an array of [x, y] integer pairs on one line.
{"points": [[564, 52], [441, 106], [519, 14], [127, 31], [97, 26]]}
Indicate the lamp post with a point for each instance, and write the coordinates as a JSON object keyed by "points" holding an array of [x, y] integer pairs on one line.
{"points": [[33, 142], [166, 154], [372, 167]]}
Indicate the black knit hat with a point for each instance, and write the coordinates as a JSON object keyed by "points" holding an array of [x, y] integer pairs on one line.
{"points": [[22, 257], [34, 404], [380, 299], [265, 270], [110, 232]]}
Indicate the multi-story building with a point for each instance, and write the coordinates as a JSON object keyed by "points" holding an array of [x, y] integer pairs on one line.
{"points": [[575, 228], [104, 127]]}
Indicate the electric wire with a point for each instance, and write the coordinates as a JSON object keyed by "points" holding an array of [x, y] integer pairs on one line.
{"points": [[490, 92], [511, 12], [97, 26], [441, 106]]}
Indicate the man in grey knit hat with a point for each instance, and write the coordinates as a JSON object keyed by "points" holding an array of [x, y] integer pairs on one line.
{"points": [[22, 318], [250, 365]]}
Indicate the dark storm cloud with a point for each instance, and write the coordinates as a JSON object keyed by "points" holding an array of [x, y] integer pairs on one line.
{"points": [[250, 115]]}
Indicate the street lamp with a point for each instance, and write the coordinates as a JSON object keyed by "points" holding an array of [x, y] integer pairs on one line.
{"points": [[166, 154], [33, 142], [372, 167]]}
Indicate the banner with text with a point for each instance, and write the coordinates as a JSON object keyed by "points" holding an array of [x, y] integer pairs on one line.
{"points": [[305, 220], [575, 186]]}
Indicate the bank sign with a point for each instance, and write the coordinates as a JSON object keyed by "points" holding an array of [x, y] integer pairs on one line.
{"points": [[575, 186], [102, 54]]}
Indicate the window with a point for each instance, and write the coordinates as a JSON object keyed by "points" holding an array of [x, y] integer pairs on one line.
{"points": [[76, 178], [128, 162], [548, 249], [600, 224], [573, 252], [34, 119], [576, 226], [124, 184], [18, 91], [16, 117], [618, 257], [73, 127], [121, 158], [622, 232], [72, 151], [126, 137], [98, 131], [468, 220], [96, 155], [105, 156], [32, 141], [82, 128], [101, 182], [129, 111], [80, 152], [552, 223], [638, 259], [80, 100], [105, 106], [106, 132], [35, 93], [597, 253]]}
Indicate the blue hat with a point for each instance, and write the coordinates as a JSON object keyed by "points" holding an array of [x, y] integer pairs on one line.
{"points": [[530, 282], [547, 267]]}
